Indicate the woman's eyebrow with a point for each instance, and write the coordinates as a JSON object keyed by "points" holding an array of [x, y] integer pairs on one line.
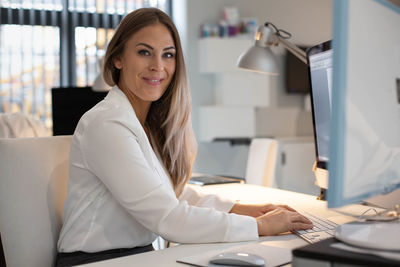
{"points": [[146, 45], [169, 47], [150, 47]]}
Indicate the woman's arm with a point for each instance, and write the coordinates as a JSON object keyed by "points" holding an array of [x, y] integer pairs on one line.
{"points": [[194, 196], [256, 210], [114, 153], [271, 219]]}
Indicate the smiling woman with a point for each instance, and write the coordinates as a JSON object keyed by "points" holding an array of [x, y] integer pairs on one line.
{"points": [[131, 157], [55, 43], [144, 58], [146, 66]]}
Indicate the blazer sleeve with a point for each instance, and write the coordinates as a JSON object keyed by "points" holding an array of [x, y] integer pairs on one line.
{"points": [[112, 152], [194, 196]]}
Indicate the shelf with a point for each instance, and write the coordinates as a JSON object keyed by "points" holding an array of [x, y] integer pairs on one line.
{"points": [[233, 122]]}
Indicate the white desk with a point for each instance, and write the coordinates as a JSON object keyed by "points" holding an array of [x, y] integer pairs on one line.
{"points": [[246, 194]]}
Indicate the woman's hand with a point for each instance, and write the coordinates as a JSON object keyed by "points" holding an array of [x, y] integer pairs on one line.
{"points": [[256, 210], [273, 219], [281, 221]]}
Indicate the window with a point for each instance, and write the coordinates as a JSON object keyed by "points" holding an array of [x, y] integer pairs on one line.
{"points": [[53, 43]]}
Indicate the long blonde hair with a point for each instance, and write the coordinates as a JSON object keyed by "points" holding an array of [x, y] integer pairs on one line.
{"points": [[169, 117]]}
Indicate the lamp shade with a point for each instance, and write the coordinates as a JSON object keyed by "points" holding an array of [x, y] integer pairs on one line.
{"points": [[259, 59]]}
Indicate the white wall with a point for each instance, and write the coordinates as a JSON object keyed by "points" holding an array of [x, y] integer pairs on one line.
{"points": [[309, 22]]}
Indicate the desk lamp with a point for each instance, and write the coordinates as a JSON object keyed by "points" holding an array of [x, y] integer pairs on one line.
{"points": [[260, 58]]}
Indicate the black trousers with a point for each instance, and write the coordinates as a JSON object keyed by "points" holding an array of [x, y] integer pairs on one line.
{"points": [[79, 257]]}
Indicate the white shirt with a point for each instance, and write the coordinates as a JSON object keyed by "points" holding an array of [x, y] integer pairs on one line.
{"points": [[119, 195]]}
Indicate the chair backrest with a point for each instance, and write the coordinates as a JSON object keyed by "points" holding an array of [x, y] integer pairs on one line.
{"points": [[261, 162], [68, 106], [33, 187], [18, 125]]}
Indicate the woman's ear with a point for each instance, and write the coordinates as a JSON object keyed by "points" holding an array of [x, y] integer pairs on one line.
{"points": [[117, 63]]}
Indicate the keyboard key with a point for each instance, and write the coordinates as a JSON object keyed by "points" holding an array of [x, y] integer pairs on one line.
{"points": [[322, 229], [331, 232], [317, 236]]}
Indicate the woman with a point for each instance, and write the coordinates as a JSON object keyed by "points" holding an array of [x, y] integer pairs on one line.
{"points": [[131, 157]]}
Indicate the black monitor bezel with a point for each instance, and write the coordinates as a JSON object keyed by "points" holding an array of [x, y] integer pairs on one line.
{"points": [[322, 47]]}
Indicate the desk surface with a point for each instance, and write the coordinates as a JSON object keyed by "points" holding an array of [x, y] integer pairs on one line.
{"points": [[246, 194]]}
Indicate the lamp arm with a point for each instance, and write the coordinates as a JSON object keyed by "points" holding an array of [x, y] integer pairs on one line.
{"points": [[300, 54]]}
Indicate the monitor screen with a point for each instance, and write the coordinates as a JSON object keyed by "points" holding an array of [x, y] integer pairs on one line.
{"points": [[320, 71], [364, 152]]}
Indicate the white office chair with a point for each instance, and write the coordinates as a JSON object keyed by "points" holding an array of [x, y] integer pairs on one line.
{"points": [[33, 187], [261, 162], [17, 125]]}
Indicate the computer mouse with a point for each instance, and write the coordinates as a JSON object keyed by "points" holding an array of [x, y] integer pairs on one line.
{"points": [[238, 259]]}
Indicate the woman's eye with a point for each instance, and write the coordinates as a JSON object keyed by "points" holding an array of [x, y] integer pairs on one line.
{"points": [[144, 52], [169, 55]]}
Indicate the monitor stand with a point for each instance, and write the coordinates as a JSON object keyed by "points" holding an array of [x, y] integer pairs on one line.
{"points": [[371, 235], [321, 180]]}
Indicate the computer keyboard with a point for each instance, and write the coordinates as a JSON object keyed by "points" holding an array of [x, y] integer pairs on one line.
{"points": [[322, 229]]}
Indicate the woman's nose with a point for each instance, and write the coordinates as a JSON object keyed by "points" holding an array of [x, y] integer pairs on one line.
{"points": [[156, 64]]}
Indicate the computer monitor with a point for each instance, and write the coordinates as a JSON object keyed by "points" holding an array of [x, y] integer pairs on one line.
{"points": [[364, 152], [319, 59], [68, 106], [2, 257], [365, 121]]}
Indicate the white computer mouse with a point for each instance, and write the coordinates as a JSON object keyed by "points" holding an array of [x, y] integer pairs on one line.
{"points": [[238, 259]]}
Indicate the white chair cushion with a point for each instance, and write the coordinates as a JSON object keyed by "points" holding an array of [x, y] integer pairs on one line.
{"points": [[33, 187], [17, 125]]}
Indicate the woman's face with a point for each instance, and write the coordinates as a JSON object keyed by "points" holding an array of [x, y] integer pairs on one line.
{"points": [[147, 63]]}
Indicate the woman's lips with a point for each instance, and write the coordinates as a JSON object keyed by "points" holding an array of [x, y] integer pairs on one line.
{"points": [[153, 81]]}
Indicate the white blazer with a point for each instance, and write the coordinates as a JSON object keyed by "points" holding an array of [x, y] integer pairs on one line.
{"points": [[120, 196]]}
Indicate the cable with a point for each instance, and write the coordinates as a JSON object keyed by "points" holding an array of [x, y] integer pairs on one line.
{"points": [[281, 33]]}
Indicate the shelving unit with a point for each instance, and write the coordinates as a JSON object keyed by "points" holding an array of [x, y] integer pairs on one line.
{"points": [[243, 105], [237, 92]]}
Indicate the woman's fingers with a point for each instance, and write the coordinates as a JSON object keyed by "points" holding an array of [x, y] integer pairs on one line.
{"points": [[282, 220], [297, 217], [300, 226], [270, 207], [286, 207]]}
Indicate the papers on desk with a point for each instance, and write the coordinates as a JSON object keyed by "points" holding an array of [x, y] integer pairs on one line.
{"points": [[273, 256]]}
